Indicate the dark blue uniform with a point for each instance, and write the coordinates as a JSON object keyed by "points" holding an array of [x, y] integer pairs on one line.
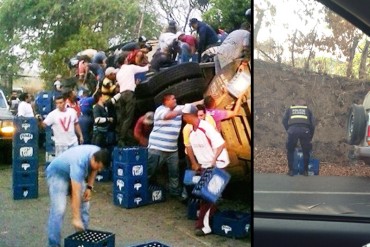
{"points": [[298, 121]]}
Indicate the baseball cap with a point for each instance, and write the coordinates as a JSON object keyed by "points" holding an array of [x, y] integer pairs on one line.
{"points": [[110, 70], [193, 20], [189, 109], [149, 117]]}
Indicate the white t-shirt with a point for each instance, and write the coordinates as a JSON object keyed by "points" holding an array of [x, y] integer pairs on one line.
{"points": [[63, 126], [126, 76], [165, 40], [204, 142], [25, 109]]}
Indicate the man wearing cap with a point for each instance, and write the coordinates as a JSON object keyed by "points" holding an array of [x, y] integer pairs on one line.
{"points": [[188, 46], [206, 148], [207, 36], [143, 127]]}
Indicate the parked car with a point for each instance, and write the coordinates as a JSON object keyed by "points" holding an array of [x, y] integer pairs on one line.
{"points": [[6, 130]]}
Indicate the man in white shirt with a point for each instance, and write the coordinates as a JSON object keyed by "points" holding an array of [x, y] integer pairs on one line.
{"points": [[25, 107], [64, 123], [126, 104], [207, 150]]}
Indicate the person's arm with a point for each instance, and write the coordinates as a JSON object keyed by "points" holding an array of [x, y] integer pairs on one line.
{"points": [[234, 112], [89, 185], [172, 114], [79, 132], [76, 206], [195, 166], [217, 153], [285, 120]]}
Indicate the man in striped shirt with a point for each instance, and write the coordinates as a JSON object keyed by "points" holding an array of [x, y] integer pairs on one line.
{"points": [[163, 141]]}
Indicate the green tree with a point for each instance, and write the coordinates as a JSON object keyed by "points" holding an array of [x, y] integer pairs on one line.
{"points": [[51, 31], [226, 14]]}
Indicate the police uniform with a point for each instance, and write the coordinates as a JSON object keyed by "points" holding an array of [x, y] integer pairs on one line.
{"points": [[299, 124]]}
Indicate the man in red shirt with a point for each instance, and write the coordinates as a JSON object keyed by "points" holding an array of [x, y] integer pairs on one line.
{"points": [[143, 127], [188, 46]]}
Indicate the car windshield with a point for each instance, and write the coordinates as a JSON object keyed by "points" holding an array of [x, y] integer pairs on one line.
{"points": [[305, 55], [3, 103]]}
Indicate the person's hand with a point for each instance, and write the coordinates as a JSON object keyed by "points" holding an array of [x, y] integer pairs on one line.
{"points": [[87, 195], [110, 119], [81, 140], [78, 225], [195, 167]]}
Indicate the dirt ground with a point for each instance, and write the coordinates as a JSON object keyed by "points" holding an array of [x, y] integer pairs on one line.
{"points": [[23, 222], [329, 97]]}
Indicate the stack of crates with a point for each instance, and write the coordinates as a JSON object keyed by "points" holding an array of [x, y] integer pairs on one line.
{"points": [[298, 164], [44, 103], [25, 158], [49, 146], [130, 177]]}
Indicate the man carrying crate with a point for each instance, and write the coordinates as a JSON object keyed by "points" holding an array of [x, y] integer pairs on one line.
{"points": [[207, 149]]}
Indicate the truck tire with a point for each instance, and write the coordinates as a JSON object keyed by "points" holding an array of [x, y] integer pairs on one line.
{"points": [[186, 91], [168, 77], [356, 124]]}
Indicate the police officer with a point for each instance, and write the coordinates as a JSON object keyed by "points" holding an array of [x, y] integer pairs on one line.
{"points": [[298, 121]]}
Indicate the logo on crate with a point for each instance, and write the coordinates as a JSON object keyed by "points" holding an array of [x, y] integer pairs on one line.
{"points": [[120, 172], [26, 151], [247, 227], [120, 184], [99, 177], [25, 126], [120, 197], [226, 228], [25, 166], [215, 184], [157, 195], [137, 186], [25, 193], [137, 170], [26, 137], [137, 200]]}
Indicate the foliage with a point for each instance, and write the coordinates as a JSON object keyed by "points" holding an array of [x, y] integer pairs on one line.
{"points": [[54, 30], [226, 14]]}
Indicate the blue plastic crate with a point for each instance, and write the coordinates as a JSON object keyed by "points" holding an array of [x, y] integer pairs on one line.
{"points": [[26, 138], [104, 176], [156, 194], [24, 124], [130, 170], [313, 165], [193, 208], [25, 191], [25, 177], [130, 185], [231, 224], [211, 184], [125, 200], [44, 102], [150, 244], [90, 238], [130, 155], [140, 76], [22, 152], [25, 164]]}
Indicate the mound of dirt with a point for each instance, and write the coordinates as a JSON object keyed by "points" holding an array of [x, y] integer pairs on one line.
{"points": [[276, 87]]}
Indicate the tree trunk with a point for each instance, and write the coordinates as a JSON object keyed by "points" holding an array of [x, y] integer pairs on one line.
{"points": [[257, 25], [362, 70], [293, 47], [351, 56], [310, 54]]}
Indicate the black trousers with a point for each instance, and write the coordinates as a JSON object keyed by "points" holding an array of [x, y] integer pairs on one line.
{"points": [[304, 136]]}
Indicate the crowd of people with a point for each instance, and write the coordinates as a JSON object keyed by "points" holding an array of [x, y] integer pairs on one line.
{"points": [[91, 119]]}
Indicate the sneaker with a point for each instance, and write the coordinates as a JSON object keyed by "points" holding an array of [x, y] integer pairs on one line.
{"points": [[290, 173], [200, 233]]}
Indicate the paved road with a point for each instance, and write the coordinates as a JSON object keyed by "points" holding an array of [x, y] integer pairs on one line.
{"points": [[313, 194]]}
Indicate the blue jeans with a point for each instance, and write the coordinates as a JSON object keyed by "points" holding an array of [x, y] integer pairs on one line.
{"points": [[157, 158], [185, 53], [58, 191]]}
